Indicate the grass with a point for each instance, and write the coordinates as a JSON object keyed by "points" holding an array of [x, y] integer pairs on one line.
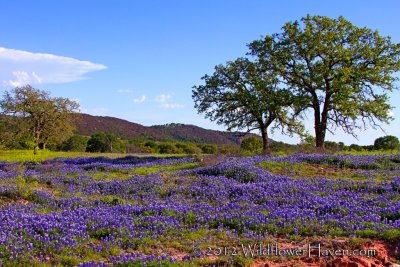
{"points": [[306, 170], [27, 155], [374, 152], [314, 170]]}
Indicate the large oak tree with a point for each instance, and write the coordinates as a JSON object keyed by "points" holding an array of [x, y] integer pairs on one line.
{"points": [[34, 112], [344, 70], [242, 95]]}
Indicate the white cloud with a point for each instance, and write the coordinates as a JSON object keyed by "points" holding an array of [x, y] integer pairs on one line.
{"points": [[140, 99], [124, 91], [23, 78], [171, 106], [162, 98], [18, 68]]}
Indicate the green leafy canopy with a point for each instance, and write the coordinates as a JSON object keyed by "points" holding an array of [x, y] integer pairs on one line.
{"points": [[345, 71]]}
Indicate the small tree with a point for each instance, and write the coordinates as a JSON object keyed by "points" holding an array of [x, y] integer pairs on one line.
{"points": [[242, 95], [33, 111], [344, 71], [387, 142], [98, 142], [251, 143], [75, 143]]}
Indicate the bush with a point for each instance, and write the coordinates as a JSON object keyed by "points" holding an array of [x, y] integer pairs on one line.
{"points": [[209, 149], [168, 149], [333, 146], [76, 143], [252, 144], [356, 147], [98, 143], [151, 145], [387, 142], [188, 148], [119, 146]]}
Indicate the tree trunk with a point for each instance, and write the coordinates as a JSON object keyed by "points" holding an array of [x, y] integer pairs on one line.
{"points": [[320, 132], [320, 127], [320, 121], [44, 146], [264, 135], [36, 148], [320, 138]]}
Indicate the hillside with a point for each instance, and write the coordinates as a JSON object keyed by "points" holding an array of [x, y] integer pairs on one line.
{"points": [[195, 134], [88, 125]]}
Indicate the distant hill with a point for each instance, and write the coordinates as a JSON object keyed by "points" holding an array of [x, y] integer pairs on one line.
{"points": [[195, 134], [88, 125]]}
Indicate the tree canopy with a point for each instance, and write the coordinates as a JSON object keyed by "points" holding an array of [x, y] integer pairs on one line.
{"points": [[32, 112], [387, 142], [343, 70], [101, 142], [242, 95]]}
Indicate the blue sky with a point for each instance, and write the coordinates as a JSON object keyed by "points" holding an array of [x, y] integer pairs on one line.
{"points": [[138, 60]]}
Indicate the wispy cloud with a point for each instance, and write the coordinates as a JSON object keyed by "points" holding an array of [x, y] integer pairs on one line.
{"points": [[172, 106], [124, 91], [140, 99], [162, 98], [20, 67]]}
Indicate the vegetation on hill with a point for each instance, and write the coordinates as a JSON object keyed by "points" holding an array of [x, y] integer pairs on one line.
{"points": [[195, 134], [87, 125]]}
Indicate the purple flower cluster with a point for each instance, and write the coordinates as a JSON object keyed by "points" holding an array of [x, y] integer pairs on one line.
{"points": [[70, 209]]}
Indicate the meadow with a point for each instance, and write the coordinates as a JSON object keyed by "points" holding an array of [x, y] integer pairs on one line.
{"points": [[185, 211]]}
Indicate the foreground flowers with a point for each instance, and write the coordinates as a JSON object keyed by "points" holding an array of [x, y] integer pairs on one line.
{"points": [[98, 212]]}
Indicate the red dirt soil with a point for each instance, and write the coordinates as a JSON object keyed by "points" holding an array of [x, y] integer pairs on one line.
{"points": [[382, 257]]}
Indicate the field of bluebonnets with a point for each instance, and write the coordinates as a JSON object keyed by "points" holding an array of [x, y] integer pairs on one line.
{"points": [[153, 211]]}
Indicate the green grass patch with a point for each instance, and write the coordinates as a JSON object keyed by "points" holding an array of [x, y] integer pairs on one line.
{"points": [[27, 155]]}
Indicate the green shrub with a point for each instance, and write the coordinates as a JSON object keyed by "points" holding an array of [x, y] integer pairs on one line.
{"points": [[75, 143], [252, 144], [392, 236], [387, 142], [168, 148], [209, 149], [188, 148]]}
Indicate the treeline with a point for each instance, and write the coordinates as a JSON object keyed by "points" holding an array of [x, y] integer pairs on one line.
{"points": [[106, 142], [32, 119], [254, 145]]}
